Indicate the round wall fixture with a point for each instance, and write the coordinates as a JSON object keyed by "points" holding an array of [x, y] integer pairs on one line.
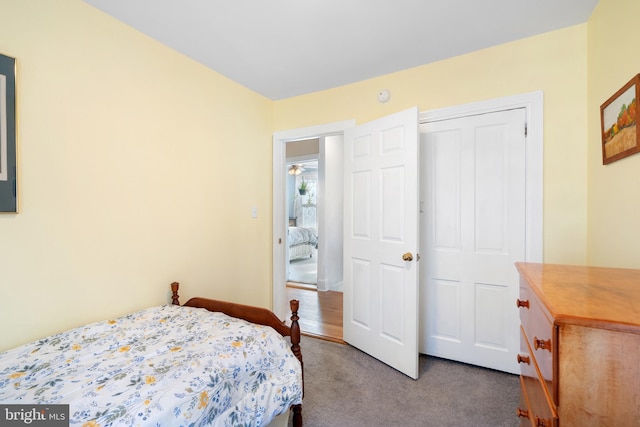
{"points": [[383, 95]]}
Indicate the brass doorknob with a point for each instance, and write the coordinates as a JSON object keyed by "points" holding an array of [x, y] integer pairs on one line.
{"points": [[407, 257]]}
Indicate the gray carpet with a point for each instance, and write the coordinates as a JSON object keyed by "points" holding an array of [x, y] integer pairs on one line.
{"points": [[346, 387]]}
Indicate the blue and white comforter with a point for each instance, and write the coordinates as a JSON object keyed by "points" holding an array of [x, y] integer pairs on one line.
{"points": [[163, 366], [302, 235]]}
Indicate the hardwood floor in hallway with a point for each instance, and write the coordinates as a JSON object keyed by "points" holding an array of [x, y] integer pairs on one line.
{"points": [[320, 312]]}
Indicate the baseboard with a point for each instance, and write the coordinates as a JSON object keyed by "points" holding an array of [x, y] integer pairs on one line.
{"points": [[323, 337], [297, 285]]}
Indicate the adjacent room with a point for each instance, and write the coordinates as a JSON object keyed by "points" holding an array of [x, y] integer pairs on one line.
{"points": [[147, 143], [302, 235]]}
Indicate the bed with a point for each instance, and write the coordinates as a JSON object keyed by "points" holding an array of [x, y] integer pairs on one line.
{"points": [[302, 241], [206, 362]]}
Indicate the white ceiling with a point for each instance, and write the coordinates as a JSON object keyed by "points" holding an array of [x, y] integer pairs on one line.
{"points": [[284, 48]]}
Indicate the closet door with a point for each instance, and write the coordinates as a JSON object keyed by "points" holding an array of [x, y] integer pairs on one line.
{"points": [[474, 231]]}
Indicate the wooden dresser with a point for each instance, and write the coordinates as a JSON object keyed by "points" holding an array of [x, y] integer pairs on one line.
{"points": [[580, 346]]}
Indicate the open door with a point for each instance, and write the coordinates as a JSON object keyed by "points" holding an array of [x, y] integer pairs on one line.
{"points": [[381, 239]]}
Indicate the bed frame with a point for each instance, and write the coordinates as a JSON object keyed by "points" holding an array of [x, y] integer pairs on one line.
{"points": [[258, 315]]}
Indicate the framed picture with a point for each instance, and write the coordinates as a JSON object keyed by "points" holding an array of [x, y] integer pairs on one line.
{"points": [[8, 158], [618, 118]]}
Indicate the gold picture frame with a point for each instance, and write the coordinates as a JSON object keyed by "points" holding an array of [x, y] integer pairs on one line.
{"points": [[618, 123]]}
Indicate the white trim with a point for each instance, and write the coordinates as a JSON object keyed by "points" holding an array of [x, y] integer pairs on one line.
{"points": [[279, 303], [301, 159], [313, 131], [533, 104]]}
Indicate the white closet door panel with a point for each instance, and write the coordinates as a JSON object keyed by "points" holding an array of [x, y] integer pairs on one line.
{"points": [[474, 232]]}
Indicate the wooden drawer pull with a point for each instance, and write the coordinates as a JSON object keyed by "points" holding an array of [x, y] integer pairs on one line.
{"points": [[524, 359], [522, 303], [541, 422], [522, 413], [542, 344]]}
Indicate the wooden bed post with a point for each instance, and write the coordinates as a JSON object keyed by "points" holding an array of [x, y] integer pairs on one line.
{"points": [[174, 293], [295, 348], [295, 329]]}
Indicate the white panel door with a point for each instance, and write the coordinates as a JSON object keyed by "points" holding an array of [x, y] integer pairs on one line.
{"points": [[473, 231], [381, 225]]}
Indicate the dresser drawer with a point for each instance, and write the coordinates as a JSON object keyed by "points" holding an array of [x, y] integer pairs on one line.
{"points": [[541, 337], [541, 411], [539, 332], [538, 396], [525, 359], [524, 409], [524, 303]]}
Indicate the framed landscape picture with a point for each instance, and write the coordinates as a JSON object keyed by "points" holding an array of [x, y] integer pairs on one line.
{"points": [[8, 177], [618, 118]]}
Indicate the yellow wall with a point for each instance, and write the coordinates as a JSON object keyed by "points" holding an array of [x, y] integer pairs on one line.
{"points": [[554, 62], [614, 189], [129, 175], [130, 152]]}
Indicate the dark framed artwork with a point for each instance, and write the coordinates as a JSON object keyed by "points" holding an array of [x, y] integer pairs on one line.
{"points": [[8, 152], [618, 119]]}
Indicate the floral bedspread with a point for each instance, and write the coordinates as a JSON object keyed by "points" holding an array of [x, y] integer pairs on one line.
{"points": [[163, 366]]}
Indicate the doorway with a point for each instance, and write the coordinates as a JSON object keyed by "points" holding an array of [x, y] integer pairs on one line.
{"points": [[322, 306]]}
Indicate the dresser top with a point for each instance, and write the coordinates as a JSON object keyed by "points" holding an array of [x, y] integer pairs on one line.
{"points": [[607, 298]]}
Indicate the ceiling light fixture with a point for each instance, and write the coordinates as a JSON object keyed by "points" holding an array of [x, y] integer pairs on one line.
{"points": [[295, 169]]}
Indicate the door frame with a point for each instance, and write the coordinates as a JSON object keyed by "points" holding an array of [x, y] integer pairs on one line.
{"points": [[279, 229], [532, 102]]}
